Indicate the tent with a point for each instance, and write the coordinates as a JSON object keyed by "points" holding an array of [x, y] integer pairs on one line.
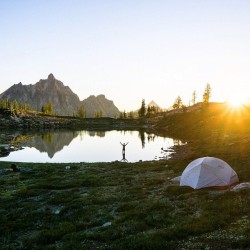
{"points": [[208, 172]]}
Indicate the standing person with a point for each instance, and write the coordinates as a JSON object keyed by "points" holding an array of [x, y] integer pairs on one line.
{"points": [[123, 147], [123, 151]]}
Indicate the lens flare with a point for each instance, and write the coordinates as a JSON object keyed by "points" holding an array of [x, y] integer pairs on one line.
{"points": [[236, 101]]}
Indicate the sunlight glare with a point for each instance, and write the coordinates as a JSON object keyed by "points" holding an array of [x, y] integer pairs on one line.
{"points": [[236, 101]]}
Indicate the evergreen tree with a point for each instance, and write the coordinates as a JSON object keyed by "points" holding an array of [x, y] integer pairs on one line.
{"points": [[207, 93], [20, 106], [98, 114], [142, 110], [194, 97], [178, 103], [15, 105], [49, 108], [149, 110], [26, 107], [43, 109], [81, 112], [124, 114]]}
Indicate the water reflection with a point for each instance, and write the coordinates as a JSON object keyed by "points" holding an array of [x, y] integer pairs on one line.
{"points": [[51, 143], [142, 137], [95, 133], [92, 146]]}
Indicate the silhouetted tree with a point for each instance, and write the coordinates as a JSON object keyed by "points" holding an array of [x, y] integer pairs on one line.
{"points": [[207, 93], [149, 110], [178, 103], [124, 114], [184, 108], [194, 97], [142, 110]]}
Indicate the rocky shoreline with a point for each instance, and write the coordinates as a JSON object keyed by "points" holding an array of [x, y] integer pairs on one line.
{"points": [[14, 126], [54, 122]]}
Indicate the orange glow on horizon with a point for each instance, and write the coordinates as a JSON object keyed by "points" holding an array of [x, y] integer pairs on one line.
{"points": [[236, 101]]}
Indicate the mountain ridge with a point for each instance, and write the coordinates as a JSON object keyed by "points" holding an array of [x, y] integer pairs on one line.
{"points": [[63, 99]]}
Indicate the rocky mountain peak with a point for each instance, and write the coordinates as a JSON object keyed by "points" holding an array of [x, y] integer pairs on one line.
{"points": [[101, 96], [64, 100], [18, 84], [153, 104], [51, 77]]}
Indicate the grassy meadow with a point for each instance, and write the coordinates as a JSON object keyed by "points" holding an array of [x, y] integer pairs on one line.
{"points": [[135, 205]]}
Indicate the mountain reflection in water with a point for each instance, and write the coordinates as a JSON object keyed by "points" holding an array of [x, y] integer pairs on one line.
{"points": [[92, 146]]}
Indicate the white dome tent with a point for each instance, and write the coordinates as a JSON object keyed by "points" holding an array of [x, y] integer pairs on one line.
{"points": [[208, 172]]}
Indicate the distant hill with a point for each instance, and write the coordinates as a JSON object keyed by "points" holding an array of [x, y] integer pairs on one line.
{"points": [[99, 103], [63, 99]]}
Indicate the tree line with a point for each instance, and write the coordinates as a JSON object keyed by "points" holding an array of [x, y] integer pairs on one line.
{"points": [[19, 107], [143, 111], [206, 97], [15, 106]]}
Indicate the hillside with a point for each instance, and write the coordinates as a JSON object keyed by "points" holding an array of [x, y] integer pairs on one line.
{"points": [[214, 130], [99, 103], [201, 121]]}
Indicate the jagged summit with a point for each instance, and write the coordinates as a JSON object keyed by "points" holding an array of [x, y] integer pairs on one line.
{"points": [[51, 77], [64, 100], [153, 104]]}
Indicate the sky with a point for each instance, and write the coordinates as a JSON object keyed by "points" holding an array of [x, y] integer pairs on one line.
{"points": [[129, 50]]}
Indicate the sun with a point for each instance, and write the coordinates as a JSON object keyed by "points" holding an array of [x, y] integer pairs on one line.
{"points": [[236, 101]]}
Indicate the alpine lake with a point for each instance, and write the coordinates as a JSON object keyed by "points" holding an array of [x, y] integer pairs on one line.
{"points": [[64, 146]]}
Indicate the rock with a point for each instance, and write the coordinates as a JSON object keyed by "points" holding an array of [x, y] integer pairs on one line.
{"points": [[5, 146], [107, 224], [241, 186], [176, 180]]}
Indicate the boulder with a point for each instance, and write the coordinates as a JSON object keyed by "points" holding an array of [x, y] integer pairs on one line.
{"points": [[241, 186]]}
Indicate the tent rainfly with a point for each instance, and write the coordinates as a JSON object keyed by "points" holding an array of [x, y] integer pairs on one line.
{"points": [[208, 172]]}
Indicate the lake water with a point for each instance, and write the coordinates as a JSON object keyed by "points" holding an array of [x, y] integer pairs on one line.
{"points": [[92, 146]]}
